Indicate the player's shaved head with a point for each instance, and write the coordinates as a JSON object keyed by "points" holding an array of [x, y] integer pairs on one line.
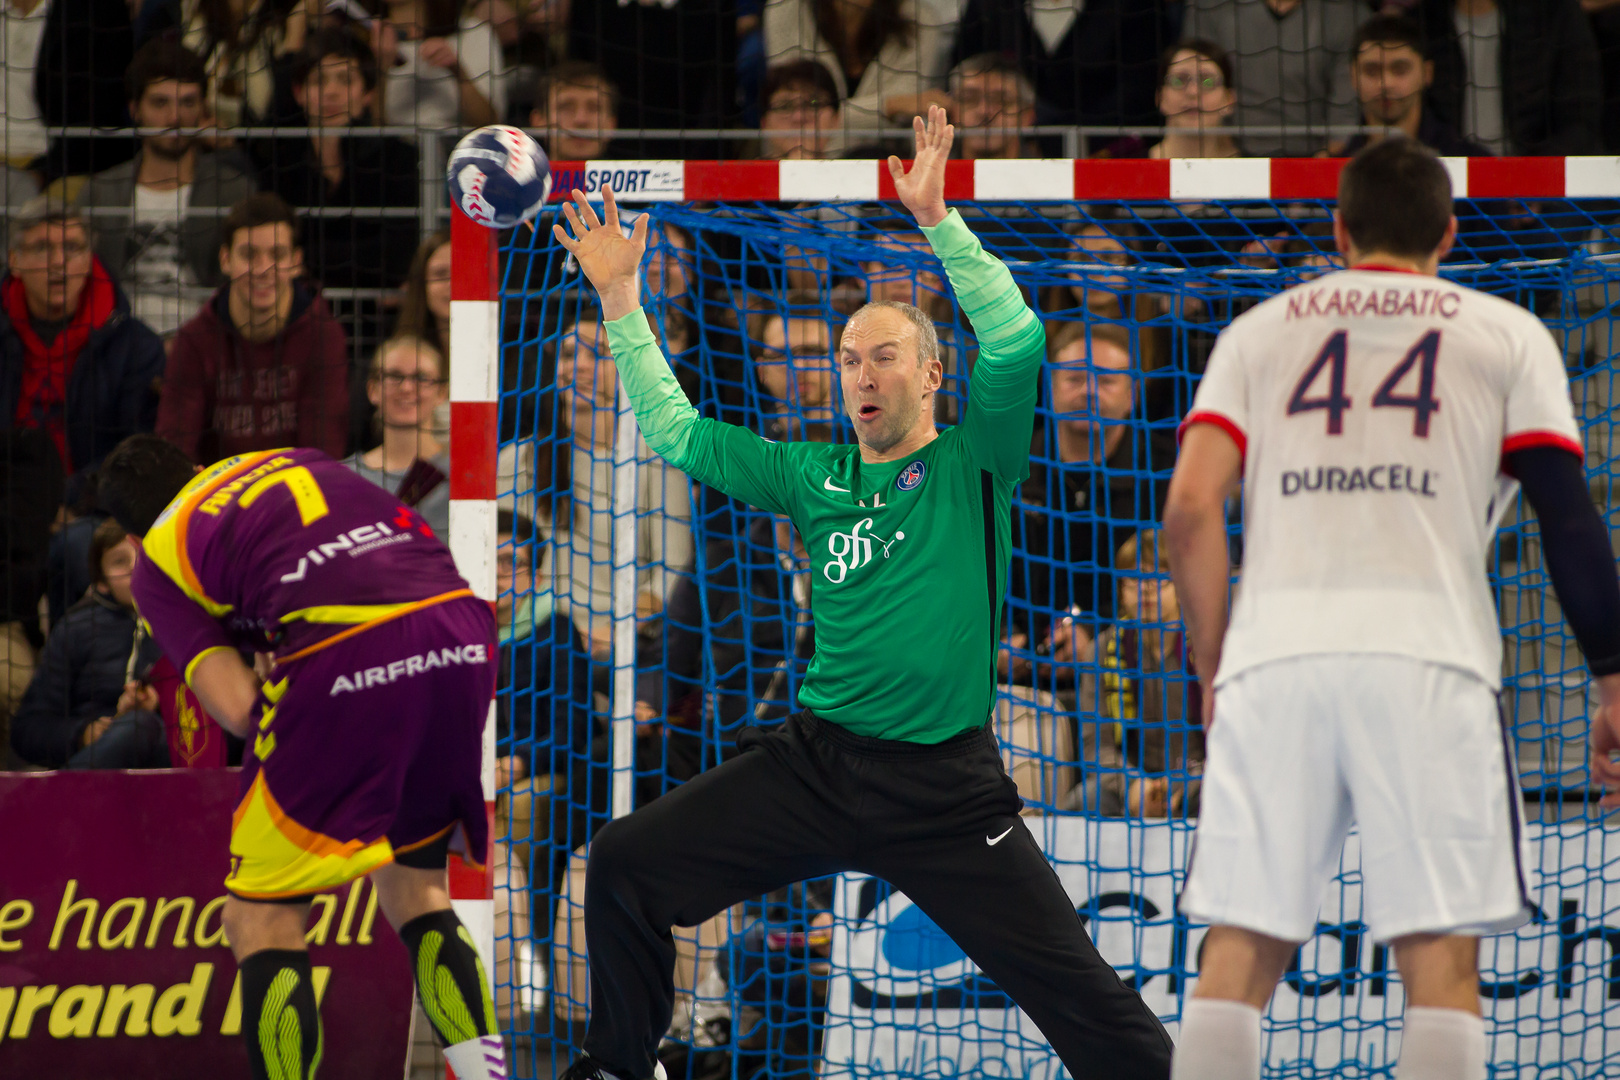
{"points": [[1395, 199], [927, 338], [140, 478]]}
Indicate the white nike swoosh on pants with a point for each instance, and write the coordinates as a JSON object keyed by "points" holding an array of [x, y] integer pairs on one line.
{"points": [[998, 839]]}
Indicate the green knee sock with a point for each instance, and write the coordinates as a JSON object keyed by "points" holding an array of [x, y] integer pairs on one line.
{"points": [[280, 1020]]}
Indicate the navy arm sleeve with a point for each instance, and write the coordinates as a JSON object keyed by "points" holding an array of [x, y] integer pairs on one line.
{"points": [[1579, 558]]}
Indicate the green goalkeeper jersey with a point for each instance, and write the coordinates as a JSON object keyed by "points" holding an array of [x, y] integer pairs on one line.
{"points": [[908, 557]]}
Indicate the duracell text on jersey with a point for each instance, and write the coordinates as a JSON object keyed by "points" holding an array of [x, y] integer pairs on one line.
{"points": [[1333, 480], [1389, 303]]}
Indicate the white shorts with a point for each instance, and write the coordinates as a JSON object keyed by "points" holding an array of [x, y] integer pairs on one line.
{"points": [[1413, 753]]}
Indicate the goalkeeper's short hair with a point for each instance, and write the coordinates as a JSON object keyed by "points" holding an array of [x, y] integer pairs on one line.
{"points": [[927, 336]]}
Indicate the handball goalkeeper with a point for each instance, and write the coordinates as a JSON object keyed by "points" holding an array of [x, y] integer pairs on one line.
{"points": [[891, 768]]}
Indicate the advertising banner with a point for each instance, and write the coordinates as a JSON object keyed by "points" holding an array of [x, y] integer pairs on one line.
{"points": [[113, 958], [904, 999]]}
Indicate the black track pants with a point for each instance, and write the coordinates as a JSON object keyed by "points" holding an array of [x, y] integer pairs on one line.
{"points": [[812, 799]]}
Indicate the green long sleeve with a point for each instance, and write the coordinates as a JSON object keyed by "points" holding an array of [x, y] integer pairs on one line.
{"points": [[724, 456], [1012, 344], [660, 405]]}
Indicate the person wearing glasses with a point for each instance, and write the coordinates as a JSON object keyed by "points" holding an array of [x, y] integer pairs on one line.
{"points": [[406, 384], [1196, 97], [263, 364], [800, 112]]}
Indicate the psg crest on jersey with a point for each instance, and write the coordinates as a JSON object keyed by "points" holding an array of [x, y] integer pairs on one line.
{"points": [[910, 476]]}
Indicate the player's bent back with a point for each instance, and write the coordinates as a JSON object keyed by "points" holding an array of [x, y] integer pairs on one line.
{"points": [[292, 548]]}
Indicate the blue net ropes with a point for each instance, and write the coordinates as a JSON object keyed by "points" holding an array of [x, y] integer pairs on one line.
{"points": [[646, 620]]}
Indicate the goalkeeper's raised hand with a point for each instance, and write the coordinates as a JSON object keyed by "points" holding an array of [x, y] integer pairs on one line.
{"points": [[923, 188], [609, 258]]}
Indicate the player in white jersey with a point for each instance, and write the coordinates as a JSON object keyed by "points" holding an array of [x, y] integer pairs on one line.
{"points": [[1369, 416]]}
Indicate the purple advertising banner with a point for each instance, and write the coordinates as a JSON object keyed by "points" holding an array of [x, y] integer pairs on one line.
{"points": [[113, 960]]}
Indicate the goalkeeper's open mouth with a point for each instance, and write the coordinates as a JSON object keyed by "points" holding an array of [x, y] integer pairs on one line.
{"points": [[868, 411]]}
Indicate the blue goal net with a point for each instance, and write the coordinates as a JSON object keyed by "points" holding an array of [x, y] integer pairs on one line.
{"points": [[646, 620]]}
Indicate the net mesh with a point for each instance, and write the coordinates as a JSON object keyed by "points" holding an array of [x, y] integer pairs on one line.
{"points": [[705, 628]]}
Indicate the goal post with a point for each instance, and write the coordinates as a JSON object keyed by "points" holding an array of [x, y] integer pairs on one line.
{"points": [[671, 617]]}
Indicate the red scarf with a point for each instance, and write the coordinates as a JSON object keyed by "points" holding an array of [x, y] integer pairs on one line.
{"points": [[47, 369]]}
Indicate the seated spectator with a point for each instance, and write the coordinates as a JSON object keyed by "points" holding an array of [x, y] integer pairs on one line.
{"points": [[441, 68], [333, 172], [1094, 479], [672, 64], [888, 60], [246, 46], [1292, 62], [81, 711], [73, 362], [576, 108], [424, 312], [1392, 72], [157, 216], [794, 367], [1142, 743], [407, 383], [1519, 77], [263, 364], [1091, 63], [587, 391], [799, 113], [1196, 100], [84, 49], [993, 99], [1117, 297]]}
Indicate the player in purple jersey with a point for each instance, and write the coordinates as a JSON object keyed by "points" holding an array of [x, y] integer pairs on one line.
{"points": [[364, 740]]}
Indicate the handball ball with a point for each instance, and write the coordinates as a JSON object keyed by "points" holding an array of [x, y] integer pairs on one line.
{"points": [[499, 176]]}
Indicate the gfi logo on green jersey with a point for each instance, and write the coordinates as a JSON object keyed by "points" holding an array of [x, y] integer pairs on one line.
{"points": [[853, 549]]}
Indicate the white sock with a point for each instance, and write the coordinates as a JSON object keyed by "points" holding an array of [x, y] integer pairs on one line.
{"points": [[1220, 1040], [1441, 1044], [477, 1059]]}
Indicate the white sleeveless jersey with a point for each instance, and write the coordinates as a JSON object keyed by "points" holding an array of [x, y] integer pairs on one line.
{"points": [[1373, 408]]}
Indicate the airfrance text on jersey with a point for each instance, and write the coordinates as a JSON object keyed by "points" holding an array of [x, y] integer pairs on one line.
{"points": [[1390, 303], [1334, 480], [411, 665]]}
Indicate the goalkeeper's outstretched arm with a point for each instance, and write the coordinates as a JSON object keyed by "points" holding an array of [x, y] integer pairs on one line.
{"points": [[727, 457], [1012, 343]]}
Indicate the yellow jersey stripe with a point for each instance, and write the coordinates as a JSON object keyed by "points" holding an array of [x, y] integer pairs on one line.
{"points": [[345, 614], [398, 610]]}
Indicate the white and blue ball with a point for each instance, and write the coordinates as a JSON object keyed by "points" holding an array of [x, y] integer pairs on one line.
{"points": [[499, 176]]}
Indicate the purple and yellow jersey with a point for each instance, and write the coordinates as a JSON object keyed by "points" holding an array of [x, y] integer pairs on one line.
{"points": [[283, 551]]}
